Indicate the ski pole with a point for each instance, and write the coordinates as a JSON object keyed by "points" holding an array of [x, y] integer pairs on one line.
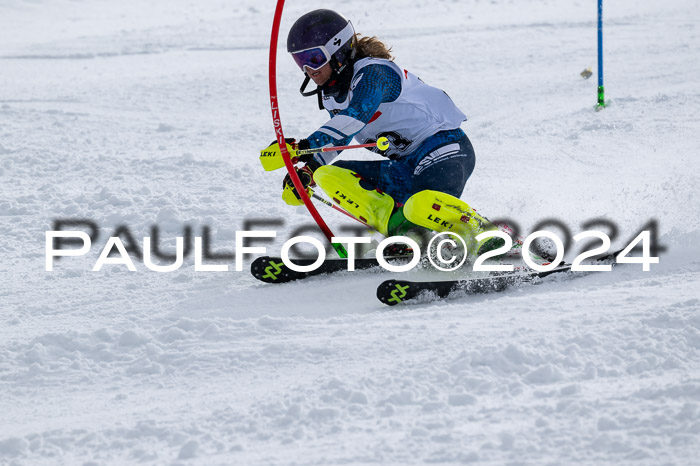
{"points": [[382, 144], [333, 206], [272, 160]]}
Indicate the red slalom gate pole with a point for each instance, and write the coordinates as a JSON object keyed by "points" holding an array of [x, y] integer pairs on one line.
{"points": [[276, 121]]}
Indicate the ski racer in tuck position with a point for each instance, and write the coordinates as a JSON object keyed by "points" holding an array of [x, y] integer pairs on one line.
{"points": [[429, 158]]}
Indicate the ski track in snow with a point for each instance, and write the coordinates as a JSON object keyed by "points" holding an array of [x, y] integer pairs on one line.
{"points": [[139, 115]]}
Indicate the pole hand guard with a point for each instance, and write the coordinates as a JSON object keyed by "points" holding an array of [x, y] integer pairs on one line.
{"points": [[271, 156]]}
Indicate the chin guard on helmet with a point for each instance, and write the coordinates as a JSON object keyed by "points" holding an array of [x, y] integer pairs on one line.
{"points": [[303, 90], [337, 82], [316, 91]]}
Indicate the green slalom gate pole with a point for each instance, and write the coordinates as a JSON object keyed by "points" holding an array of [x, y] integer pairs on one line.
{"points": [[601, 89]]}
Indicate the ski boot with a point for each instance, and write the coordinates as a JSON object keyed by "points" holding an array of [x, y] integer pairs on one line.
{"points": [[442, 212]]}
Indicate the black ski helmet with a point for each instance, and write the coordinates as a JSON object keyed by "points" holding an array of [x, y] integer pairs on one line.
{"points": [[326, 30]]}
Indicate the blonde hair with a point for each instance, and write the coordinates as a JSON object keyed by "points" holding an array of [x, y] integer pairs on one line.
{"points": [[370, 47]]}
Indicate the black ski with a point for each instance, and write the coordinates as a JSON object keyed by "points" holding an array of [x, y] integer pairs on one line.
{"points": [[393, 292], [272, 270]]}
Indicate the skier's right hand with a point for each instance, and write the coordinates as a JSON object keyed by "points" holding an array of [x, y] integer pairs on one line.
{"points": [[306, 176]]}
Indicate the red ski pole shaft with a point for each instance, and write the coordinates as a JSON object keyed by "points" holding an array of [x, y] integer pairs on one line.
{"points": [[330, 204], [382, 144]]}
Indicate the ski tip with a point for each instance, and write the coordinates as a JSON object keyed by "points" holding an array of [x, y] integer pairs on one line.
{"points": [[393, 292], [272, 270]]}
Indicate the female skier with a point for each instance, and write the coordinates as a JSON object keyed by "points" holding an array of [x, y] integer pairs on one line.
{"points": [[368, 96]]}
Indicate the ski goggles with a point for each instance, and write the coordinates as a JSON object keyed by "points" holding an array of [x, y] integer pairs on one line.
{"points": [[313, 58]]}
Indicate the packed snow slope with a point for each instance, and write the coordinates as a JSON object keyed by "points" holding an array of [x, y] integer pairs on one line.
{"points": [[137, 114]]}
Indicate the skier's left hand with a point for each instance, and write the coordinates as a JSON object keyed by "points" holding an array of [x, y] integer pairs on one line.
{"points": [[271, 156], [306, 176]]}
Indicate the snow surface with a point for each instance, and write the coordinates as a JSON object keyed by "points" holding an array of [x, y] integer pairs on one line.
{"points": [[141, 113]]}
